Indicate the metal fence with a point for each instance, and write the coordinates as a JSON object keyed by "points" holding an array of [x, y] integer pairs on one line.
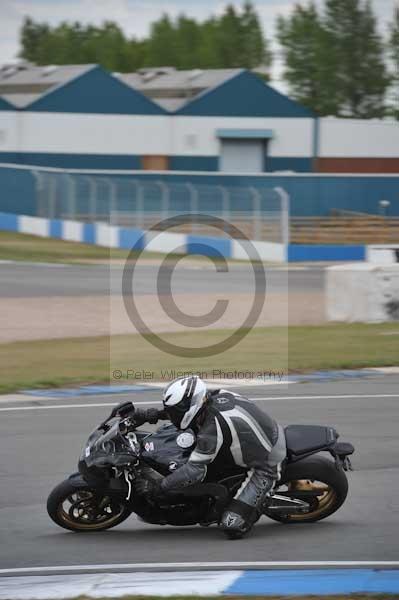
{"points": [[258, 213]]}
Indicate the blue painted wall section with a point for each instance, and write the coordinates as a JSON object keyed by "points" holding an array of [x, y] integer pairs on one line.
{"points": [[96, 91], [195, 244], [74, 161], [208, 246], [8, 222], [328, 253], [17, 191], [131, 239], [245, 95], [316, 582], [56, 228], [89, 233], [311, 195]]}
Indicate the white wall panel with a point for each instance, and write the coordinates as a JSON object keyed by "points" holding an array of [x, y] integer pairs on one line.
{"points": [[34, 225], [95, 134], [243, 250], [72, 231], [196, 136], [9, 131], [107, 235], [358, 138], [362, 293], [166, 242]]}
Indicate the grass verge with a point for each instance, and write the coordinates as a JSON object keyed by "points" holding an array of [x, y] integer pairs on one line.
{"points": [[54, 363], [32, 248]]}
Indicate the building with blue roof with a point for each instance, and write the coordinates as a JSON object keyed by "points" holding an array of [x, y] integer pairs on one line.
{"points": [[229, 120]]}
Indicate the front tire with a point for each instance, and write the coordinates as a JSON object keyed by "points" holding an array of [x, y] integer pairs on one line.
{"points": [[313, 473], [80, 508]]}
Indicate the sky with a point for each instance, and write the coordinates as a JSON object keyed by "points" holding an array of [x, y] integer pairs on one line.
{"points": [[135, 16]]}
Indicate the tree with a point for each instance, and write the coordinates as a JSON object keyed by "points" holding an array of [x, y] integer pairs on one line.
{"points": [[335, 59], [255, 50], [162, 48], [393, 47], [233, 39], [360, 75], [188, 39], [308, 64], [229, 38], [31, 37]]}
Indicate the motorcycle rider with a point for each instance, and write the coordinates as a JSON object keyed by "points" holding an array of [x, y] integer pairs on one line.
{"points": [[227, 426]]}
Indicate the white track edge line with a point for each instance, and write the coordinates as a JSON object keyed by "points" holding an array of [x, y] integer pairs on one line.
{"points": [[152, 402], [196, 565]]}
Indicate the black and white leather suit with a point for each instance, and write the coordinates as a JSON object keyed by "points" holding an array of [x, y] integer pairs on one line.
{"points": [[233, 430]]}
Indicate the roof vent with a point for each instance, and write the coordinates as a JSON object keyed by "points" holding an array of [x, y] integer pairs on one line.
{"points": [[8, 70], [48, 70], [195, 73], [150, 73]]}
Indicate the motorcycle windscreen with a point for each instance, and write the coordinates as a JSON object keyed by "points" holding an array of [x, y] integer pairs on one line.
{"points": [[108, 449]]}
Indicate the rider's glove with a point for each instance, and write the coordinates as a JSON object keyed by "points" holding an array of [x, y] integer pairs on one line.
{"points": [[123, 410], [150, 415]]}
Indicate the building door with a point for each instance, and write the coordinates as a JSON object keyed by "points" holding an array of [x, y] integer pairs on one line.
{"points": [[155, 163], [242, 155]]}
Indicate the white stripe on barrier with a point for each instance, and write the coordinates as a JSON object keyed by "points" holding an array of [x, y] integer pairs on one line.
{"points": [[33, 225], [166, 242], [266, 250], [107, 235], [383, 254], [72, 231]]}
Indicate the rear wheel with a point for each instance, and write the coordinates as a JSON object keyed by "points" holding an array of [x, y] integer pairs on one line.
{"points": [[317, 481], [84, 509]]}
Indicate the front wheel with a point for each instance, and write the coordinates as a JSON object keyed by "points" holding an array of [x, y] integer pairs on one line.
{"points": [[317, 481], [80, 508]]}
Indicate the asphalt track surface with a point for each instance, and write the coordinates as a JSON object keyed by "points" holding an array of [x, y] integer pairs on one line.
{"points": [[39, 446], [24, 280]]}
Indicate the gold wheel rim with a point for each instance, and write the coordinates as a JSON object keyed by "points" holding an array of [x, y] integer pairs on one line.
{"points": [[66, 518], [326, 499]]}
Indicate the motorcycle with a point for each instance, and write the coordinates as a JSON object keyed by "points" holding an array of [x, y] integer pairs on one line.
{"points": [[313, 483]]}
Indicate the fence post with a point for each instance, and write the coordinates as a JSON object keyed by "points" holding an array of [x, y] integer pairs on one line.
{"points": [[164, 199], [257, 214], [71, 196], [194, 208], [113, 201], [38, 177], [139, 205], [92, 199], [285, 215], [225, 206]]}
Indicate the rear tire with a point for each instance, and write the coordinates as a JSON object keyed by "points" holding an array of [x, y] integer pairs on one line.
{"points": [[88, 510], [314, 469]]}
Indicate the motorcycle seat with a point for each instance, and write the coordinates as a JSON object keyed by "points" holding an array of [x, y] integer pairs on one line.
{"points": [[302, 439]]}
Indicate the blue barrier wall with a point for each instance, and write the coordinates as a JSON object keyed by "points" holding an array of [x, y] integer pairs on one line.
{"points": [[311, 195]]}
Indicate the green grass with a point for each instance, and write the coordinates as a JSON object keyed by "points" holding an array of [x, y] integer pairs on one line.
{"points": [[54, 363], [20, 246], [32, 248]]}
